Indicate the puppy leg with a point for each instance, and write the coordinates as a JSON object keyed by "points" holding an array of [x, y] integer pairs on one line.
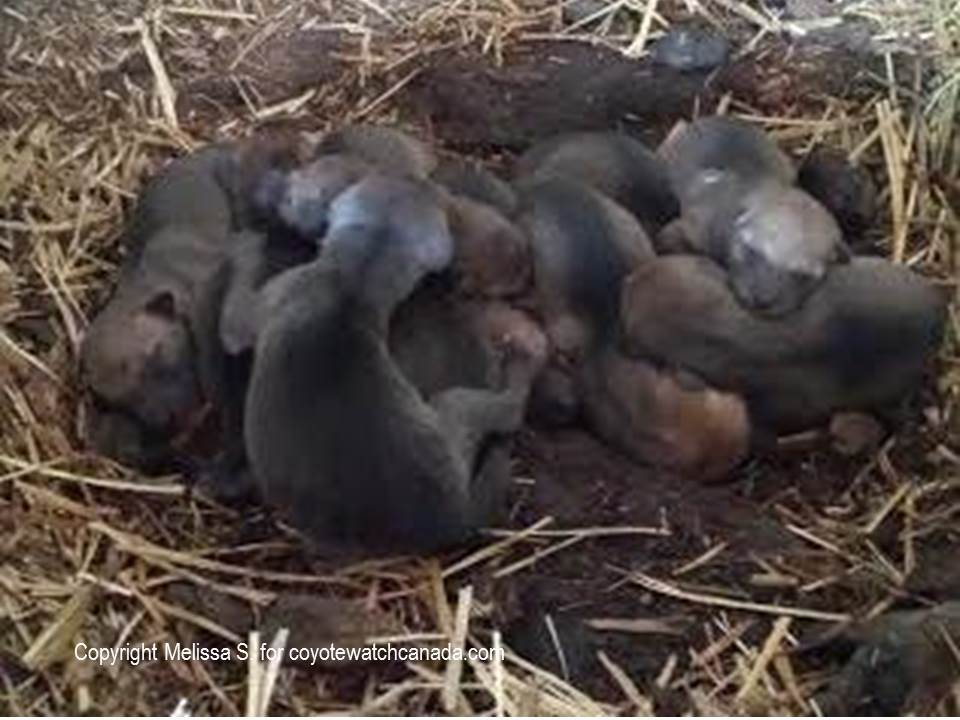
{"points": [[249, 268], [488, 487], [228, 334], [474, 423], [470, 415]]}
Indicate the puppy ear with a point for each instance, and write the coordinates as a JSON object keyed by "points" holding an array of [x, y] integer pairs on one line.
{"points": [[162, 304]]}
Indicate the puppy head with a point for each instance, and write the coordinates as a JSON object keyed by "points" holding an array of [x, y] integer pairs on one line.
{"points": [[761, 285], [782, 246], [492, 257], [252, 175], [138, 357], [403, 218], [386, 148], [304, 195]]}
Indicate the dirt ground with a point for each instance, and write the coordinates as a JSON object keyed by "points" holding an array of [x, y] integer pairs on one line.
{"points": [[672, 585]]}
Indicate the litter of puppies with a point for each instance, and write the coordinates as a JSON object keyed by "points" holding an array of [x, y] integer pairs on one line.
{"points": [[372, 321]]}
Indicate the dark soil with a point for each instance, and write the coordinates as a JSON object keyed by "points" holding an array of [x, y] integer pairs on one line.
{"points": [[550, 88]]}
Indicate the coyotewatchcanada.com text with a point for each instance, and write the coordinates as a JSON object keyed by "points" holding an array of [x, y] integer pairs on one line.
{"points": [[136, 654]]}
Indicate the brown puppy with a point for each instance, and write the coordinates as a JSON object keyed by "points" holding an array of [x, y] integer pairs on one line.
{"points": [[584, 246], [491, 254], [339, 440], [861, 342], [740, 208], [138, 355], [616, 165], [667, 419]]}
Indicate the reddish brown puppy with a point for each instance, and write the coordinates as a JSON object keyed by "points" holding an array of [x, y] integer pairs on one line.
{"points": [[861, 342], [584, 246]]}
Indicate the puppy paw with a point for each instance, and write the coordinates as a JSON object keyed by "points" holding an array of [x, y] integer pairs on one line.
{"points": [[227, 482], [525, 343]]}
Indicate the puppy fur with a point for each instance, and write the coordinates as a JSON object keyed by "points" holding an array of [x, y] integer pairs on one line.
{"points": [[584, 246], [616, 165], [861, 342], [149, 356], [339, 440], [739, 207]]}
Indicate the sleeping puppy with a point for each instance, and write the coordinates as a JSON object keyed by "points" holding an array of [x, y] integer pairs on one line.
{"points": [[614, 164], [861, 342], [470, 179], [339, 440], [740, 208], [440, 342], [491, 256], [584, 247], [722, 143], [299, 198], [666, 418], [143, 356], [383, 147]]}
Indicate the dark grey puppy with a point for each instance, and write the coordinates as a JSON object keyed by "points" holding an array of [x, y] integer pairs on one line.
{"points": [[470, 179], [618, 166], [300, 198], [740, 208], [722, 143], [584, 247], [846, 190], [339, 439], [438, 339], [904, 662], [149, 355], [382, 146], [861, 342]]}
